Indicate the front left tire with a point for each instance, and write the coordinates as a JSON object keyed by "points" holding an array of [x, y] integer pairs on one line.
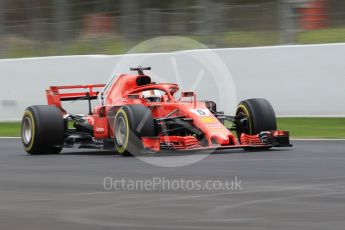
{"points": [[132, 122]]}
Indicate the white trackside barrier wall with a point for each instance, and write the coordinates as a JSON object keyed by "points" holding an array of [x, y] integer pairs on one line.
{"points": [[297, 80]]}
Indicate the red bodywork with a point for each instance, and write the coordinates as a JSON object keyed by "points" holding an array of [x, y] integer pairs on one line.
{"points": [[126, 89]]}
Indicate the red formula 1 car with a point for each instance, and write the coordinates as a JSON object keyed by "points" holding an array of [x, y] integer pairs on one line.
{"points": [[135, 115]]}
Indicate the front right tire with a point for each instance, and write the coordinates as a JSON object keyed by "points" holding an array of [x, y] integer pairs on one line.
{"points": [[255, 115]]}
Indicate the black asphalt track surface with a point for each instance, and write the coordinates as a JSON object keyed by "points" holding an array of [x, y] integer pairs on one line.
{"points": [[302, 187]]}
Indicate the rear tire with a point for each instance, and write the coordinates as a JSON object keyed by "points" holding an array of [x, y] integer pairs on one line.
{"points": [[132, 122], [42, 130], [258, 116]]}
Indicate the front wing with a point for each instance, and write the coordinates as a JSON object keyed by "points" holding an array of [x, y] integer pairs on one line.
{"points": [[263, 140]]}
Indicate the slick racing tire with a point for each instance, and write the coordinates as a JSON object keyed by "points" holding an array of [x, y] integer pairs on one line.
{"points": [[42, 130], [257, 115], [131, 123]]}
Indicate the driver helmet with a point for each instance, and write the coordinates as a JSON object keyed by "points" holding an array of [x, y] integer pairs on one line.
{"points": [[152, 96]]}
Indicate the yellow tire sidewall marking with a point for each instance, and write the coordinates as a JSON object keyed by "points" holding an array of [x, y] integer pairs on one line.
{"points": [[28, 113], [244, 108], [122, 149]]}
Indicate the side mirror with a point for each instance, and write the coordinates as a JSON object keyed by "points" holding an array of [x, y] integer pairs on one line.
{"points": [[190, 95], [187, 94]]}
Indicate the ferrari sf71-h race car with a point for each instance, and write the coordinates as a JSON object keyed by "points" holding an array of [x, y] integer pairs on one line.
{"points": [[135, 115]]}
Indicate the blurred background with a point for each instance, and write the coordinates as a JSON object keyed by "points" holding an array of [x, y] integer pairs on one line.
{"points": [[71, 27]]}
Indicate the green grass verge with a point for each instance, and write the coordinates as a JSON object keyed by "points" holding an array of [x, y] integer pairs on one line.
{"points": [[298, 127], [118, 45], [9, 129], [329, 35], [313, 127]]}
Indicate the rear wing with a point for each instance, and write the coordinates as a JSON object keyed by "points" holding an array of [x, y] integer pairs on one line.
{"points": [[55, 96]]}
